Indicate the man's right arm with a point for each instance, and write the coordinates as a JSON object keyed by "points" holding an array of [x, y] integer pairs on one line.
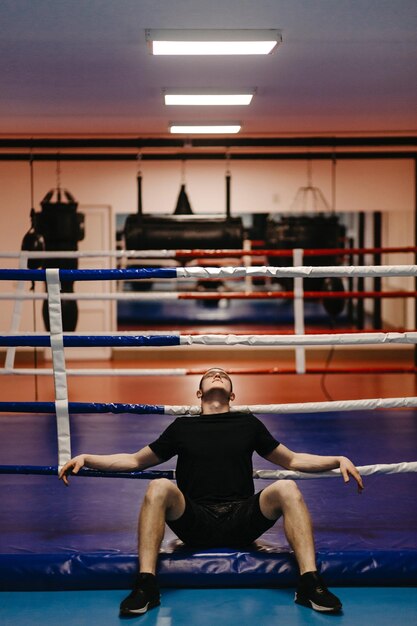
{"points": [[110, 462]]}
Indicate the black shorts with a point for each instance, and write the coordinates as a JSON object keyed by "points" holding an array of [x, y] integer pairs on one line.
{"points": [[228, 524]]}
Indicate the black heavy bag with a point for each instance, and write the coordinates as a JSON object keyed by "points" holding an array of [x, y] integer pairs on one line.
{"points": [[62, 227], [33, 242], [333, 306]]}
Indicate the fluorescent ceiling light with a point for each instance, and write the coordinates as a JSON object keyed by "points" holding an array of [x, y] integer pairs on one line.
{"points": [[215, 41], [202, 48], [203, 129], [195, 99]]}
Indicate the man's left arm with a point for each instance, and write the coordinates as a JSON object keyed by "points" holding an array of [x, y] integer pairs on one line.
{"points": [[303, 462]]}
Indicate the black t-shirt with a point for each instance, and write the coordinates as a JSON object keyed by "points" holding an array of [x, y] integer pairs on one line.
{"points": [[215, 454]]}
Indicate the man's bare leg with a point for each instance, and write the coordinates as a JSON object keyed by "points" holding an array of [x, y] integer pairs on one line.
{"points": [[283, 497], [163, 500]]}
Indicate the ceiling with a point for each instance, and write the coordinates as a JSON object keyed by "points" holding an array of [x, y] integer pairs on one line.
{"points": [[81, 67]]}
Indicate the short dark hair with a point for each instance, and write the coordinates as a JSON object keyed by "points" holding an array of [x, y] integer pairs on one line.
{"points": [[215, 368]]}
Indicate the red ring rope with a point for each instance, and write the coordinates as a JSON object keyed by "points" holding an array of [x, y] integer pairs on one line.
{"points": [[227, 253], [289, 295]]}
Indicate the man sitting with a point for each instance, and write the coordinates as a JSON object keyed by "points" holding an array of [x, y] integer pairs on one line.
{"points": [[213, 503]]}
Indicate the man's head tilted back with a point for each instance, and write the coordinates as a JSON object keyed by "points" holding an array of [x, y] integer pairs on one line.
{"points": [[216, 381]]}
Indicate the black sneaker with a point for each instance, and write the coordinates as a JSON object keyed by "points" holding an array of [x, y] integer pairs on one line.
{"points": [[312, 592], [144, 596]]}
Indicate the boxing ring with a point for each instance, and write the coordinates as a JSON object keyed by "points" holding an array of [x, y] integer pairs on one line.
{"points": [[53, 538]]}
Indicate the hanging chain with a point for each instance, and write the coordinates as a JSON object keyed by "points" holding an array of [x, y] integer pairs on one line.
{"points": [[139, 164], [183, 171], [58, 171], [32, 201], [227, 162], [334, 163], [309, 172]]}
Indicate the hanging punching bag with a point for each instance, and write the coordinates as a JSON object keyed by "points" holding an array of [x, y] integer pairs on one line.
{"points": [[62, 228], [33, 242], [333, 306]]}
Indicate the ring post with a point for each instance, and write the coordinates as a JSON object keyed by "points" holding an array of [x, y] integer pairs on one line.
{"points": [[360, 304], [377, 312], [300, 353], [17, 312]]}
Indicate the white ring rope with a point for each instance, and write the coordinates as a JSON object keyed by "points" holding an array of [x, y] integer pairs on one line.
{"points": [[364, 470], [307, 407], [294, 272], [95, 372], [30, 295], [342, 339], [323, 271], [320, 339], [70, 254]]}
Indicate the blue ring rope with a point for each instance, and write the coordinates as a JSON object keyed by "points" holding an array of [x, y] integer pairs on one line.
{"points": [[73, 275], [82, 407], [52, 470], [72, 341]]}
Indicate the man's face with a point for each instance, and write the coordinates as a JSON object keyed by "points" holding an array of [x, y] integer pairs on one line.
{"points": [[216, 379]]}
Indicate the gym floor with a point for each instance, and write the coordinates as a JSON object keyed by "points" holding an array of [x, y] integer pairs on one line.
{"points": [[366, 606]]}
